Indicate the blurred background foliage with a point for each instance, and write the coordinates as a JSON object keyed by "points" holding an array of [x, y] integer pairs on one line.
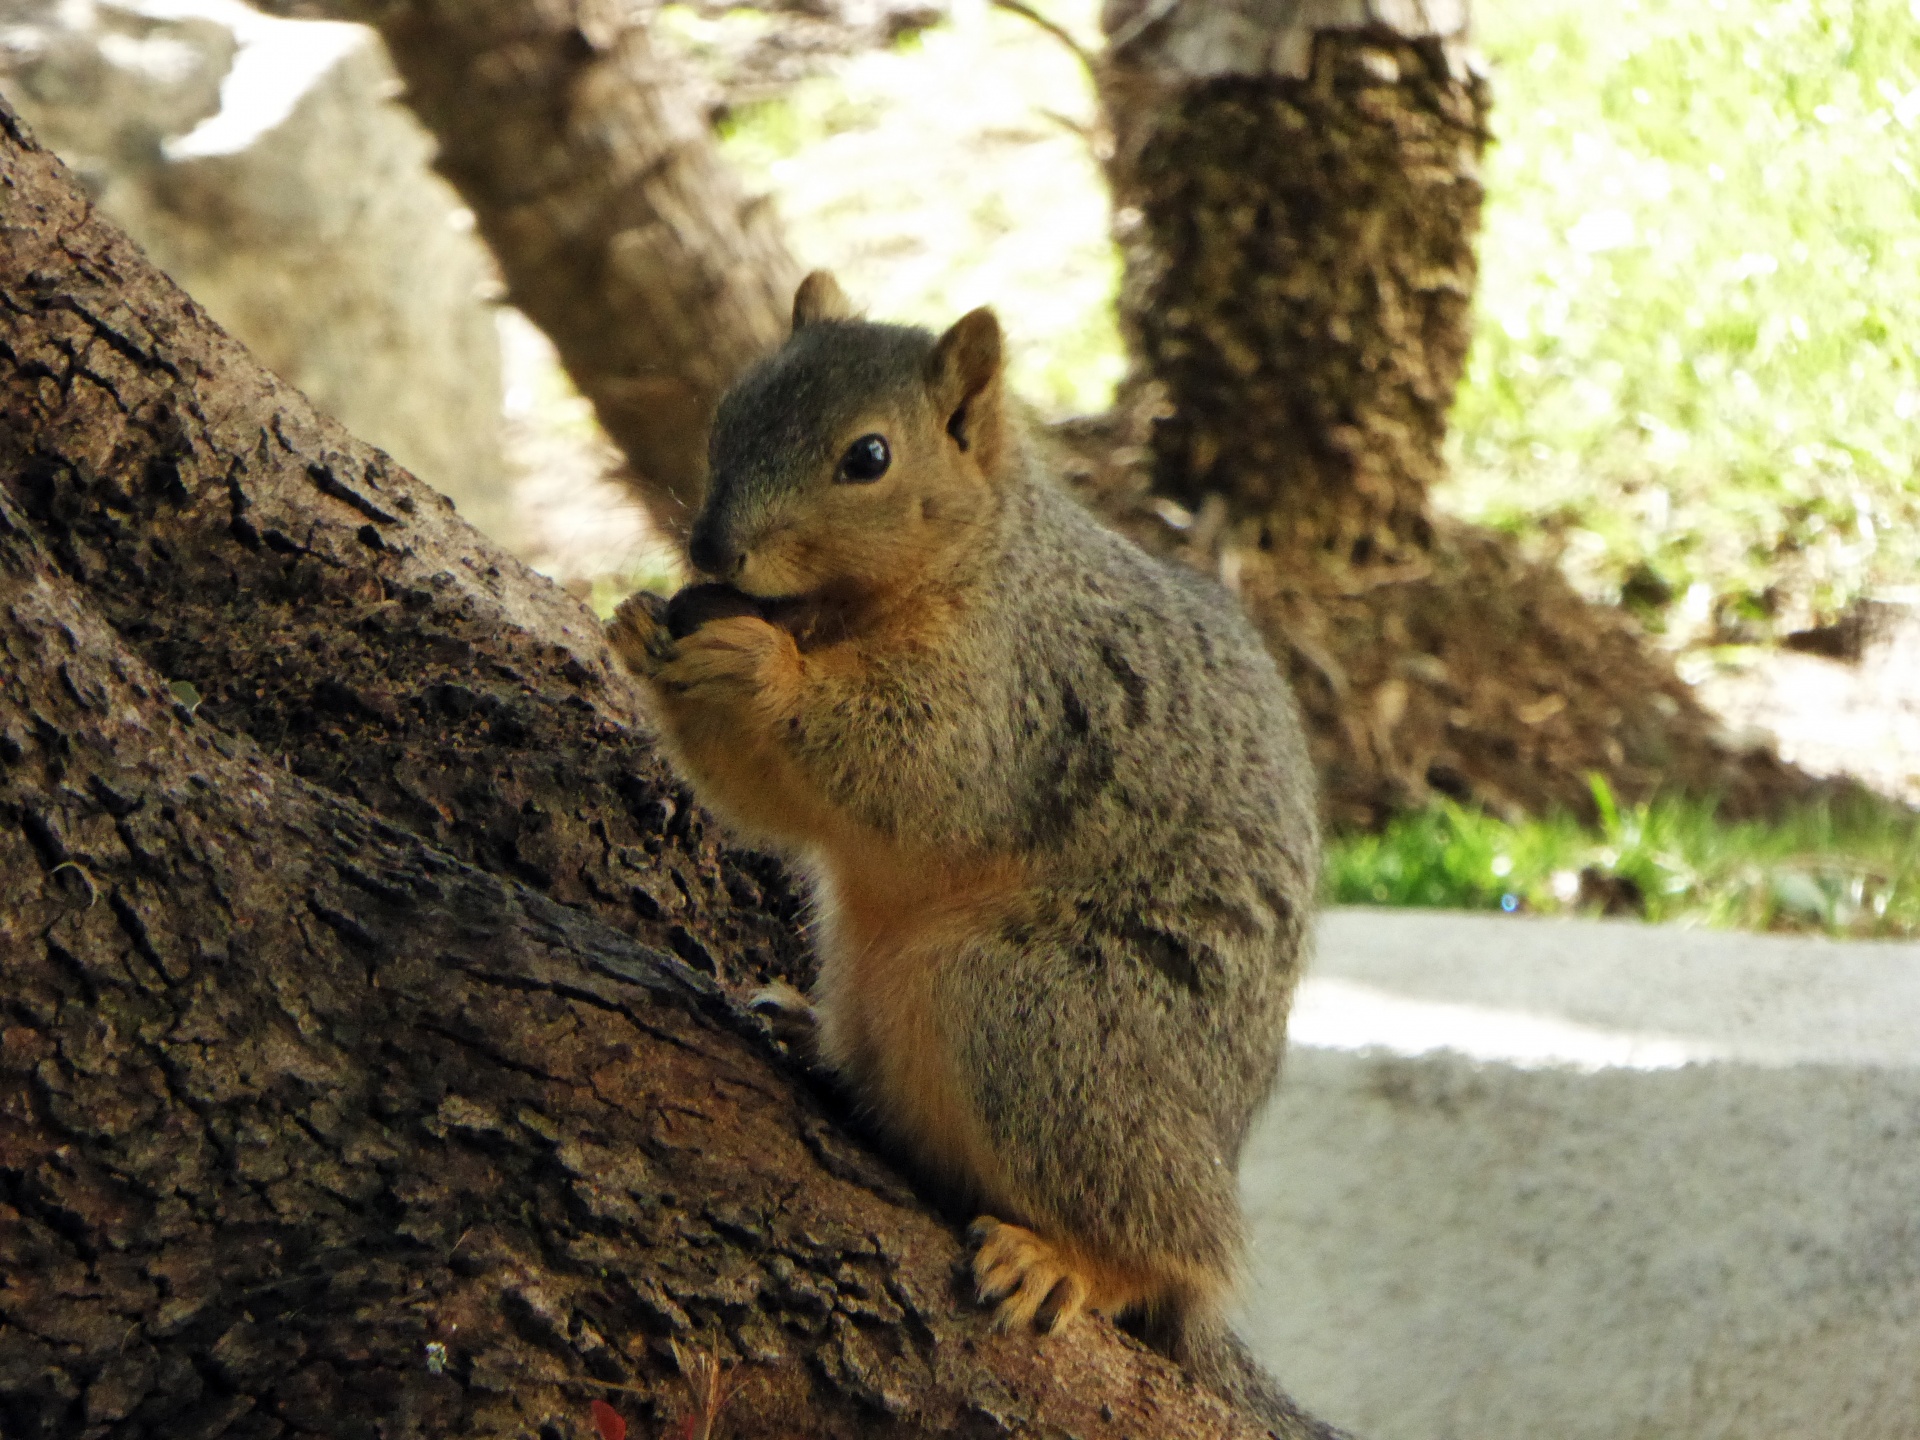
{"points": [[955, 169]]}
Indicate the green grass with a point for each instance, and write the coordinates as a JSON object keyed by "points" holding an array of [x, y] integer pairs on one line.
{"points": [[1855, 873], [1695, 359]]}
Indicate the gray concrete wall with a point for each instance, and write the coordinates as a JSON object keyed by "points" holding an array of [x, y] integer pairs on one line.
{"points": [[1590, 1180]]}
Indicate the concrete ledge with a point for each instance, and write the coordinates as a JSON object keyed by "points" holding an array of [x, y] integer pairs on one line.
{"points": [[1577, 1179]]}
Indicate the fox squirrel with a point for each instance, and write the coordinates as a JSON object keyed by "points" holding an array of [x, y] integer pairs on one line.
{"points": [[1052, 797]]}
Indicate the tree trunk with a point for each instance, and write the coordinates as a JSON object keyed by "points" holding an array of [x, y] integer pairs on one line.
{"points": [[1297, 202], [369, 1062], [621, 231]]}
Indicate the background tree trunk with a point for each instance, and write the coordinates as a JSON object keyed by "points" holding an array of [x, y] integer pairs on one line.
{"points": [[1297, 194], [358, 1070], [621, 231]]}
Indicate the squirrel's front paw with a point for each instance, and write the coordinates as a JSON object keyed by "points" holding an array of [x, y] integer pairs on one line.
{"points": [[1034, 1281], [638, 633], [730, 659]]}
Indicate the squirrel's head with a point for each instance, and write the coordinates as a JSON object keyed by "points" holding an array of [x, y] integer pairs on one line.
{"points": [[858, 459]]}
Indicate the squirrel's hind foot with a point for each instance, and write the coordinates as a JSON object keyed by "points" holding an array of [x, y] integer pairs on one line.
{"points": [[1035, 1282], [789, 1014], [778, 999]]}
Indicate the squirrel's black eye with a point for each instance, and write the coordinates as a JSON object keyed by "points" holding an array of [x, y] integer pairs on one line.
{"points": [[866, 460]]}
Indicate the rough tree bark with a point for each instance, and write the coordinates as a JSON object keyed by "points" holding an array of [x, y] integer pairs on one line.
{"points": [[369, 1062], [620, 230], [1296, 195]]}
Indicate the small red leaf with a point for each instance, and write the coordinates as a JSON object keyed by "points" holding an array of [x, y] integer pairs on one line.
{"points": [[607, 1420]]}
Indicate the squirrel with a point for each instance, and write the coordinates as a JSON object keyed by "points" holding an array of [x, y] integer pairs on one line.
{"points": [[1052, 797]]}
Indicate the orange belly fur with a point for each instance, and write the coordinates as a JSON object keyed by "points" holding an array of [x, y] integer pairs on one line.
{"points": [[889, 919]]}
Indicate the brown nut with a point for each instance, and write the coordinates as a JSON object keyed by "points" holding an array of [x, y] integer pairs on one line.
{"points": [[694, 606]]}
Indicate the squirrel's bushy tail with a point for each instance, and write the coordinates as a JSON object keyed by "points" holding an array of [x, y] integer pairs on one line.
{"points": [[1219, 1359]]}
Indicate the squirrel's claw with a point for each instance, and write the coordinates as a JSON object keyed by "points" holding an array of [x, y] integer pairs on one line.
{"points": [[788, 1013], [638, 634], [778, 998], [1063, 1305], [1033, 1281]]}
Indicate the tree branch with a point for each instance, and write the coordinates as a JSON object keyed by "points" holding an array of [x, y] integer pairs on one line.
{"points": [[318, 1113]]}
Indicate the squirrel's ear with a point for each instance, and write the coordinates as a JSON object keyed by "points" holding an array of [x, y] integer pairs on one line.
{"points": [[820, 298], [963, 377]]}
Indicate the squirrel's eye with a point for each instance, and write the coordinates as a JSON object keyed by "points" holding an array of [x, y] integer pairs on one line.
{"points": [[866, 460]]}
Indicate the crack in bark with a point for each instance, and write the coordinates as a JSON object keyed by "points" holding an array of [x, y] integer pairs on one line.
{"points": [[327, 483]]}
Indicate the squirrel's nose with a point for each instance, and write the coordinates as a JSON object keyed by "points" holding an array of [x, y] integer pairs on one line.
{"points": [[711, 554]]}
